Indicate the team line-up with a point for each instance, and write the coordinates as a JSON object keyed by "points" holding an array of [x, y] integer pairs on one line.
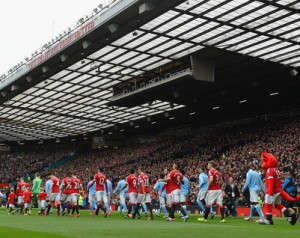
{"points": [[172, 190]]}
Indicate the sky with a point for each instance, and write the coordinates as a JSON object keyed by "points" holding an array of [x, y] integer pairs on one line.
{"points": [[27, 25]]}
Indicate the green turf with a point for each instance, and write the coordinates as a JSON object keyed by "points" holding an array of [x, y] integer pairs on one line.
{"points": [[118, 226]]}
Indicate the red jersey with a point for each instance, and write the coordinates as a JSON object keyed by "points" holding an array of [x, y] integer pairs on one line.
{"points": [[11, 198], [75, 182], [100, 180], [215, 184], [143, 178], [168, 185], [27, 196], [56, 185], [175, 179], [21, 188], [273, 181], [132, 181], [42, 196], [67, 186]]}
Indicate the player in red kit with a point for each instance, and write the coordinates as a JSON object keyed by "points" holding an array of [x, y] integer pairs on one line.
{"points": [[21, 187], [42, 196], [131, 183], [144, 193], [274, 191], [76, 185], [175, 179], [54, 194], [214, 193], [11, 201], [66, 189], [100, 180], [27, 198]]}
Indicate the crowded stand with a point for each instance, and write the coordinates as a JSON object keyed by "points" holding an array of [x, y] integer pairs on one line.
{"points": [[231, 149], [23, 164]]}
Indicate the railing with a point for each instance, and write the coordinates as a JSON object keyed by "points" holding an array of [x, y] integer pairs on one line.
{"points": [[152, 82]]}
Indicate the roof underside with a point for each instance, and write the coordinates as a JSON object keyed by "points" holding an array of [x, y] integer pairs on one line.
{"points": [[74, 100]]}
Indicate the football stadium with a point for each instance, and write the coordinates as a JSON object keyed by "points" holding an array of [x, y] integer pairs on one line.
{"points": [[156, 118]]}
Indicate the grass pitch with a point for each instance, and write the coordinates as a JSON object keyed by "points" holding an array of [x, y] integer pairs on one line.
{"points": [[118, 226]]}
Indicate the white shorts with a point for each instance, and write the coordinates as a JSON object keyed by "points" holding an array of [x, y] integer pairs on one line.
{"points": [[11, 206], [162, 201], [26, 205], [123, 199], [214, 196], [43, 204], [169, 199], [275, 199], [66, 198], [201, 195], [92, 198], [21, 200], [74, 197], [54, 197], [144, 198], [132, 198], [176, 196], [100, 196], [106, 198], [254, 196], [183, 198]]}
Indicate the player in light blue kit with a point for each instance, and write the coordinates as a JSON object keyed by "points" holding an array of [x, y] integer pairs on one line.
{"points": [[162, 197], [47, 189], [255, 185], [107, 195], [123, 195], [203, 184], [185, 190], [92, 196]]}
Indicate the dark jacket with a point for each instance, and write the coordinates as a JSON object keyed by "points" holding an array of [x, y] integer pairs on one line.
{"points": [[232, 193]]}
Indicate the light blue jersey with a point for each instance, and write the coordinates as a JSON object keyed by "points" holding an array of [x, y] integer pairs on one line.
{"points": [[48, 184], [203, 182], [92, 190], [109, 187], [120, 185], [158, 187], [253, 182], [185, 186]]}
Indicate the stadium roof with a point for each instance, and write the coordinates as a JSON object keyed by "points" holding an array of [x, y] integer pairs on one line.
{"points": [[67, 97]]}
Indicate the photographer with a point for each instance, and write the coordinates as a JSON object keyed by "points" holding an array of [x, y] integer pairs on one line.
{"points": [[233, 195], [290, 187]]}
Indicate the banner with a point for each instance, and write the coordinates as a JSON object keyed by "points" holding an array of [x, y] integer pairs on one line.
{"points": [[72, 37], [2, 185]]}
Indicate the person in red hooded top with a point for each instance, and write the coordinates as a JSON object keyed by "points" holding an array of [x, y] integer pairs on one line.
{"points": [[27, 198], [43, 197], [274, 192], [11, 201]]}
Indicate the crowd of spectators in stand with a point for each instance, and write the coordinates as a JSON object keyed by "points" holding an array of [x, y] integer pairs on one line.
{"points": [[232, 147], [16, 165]]}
